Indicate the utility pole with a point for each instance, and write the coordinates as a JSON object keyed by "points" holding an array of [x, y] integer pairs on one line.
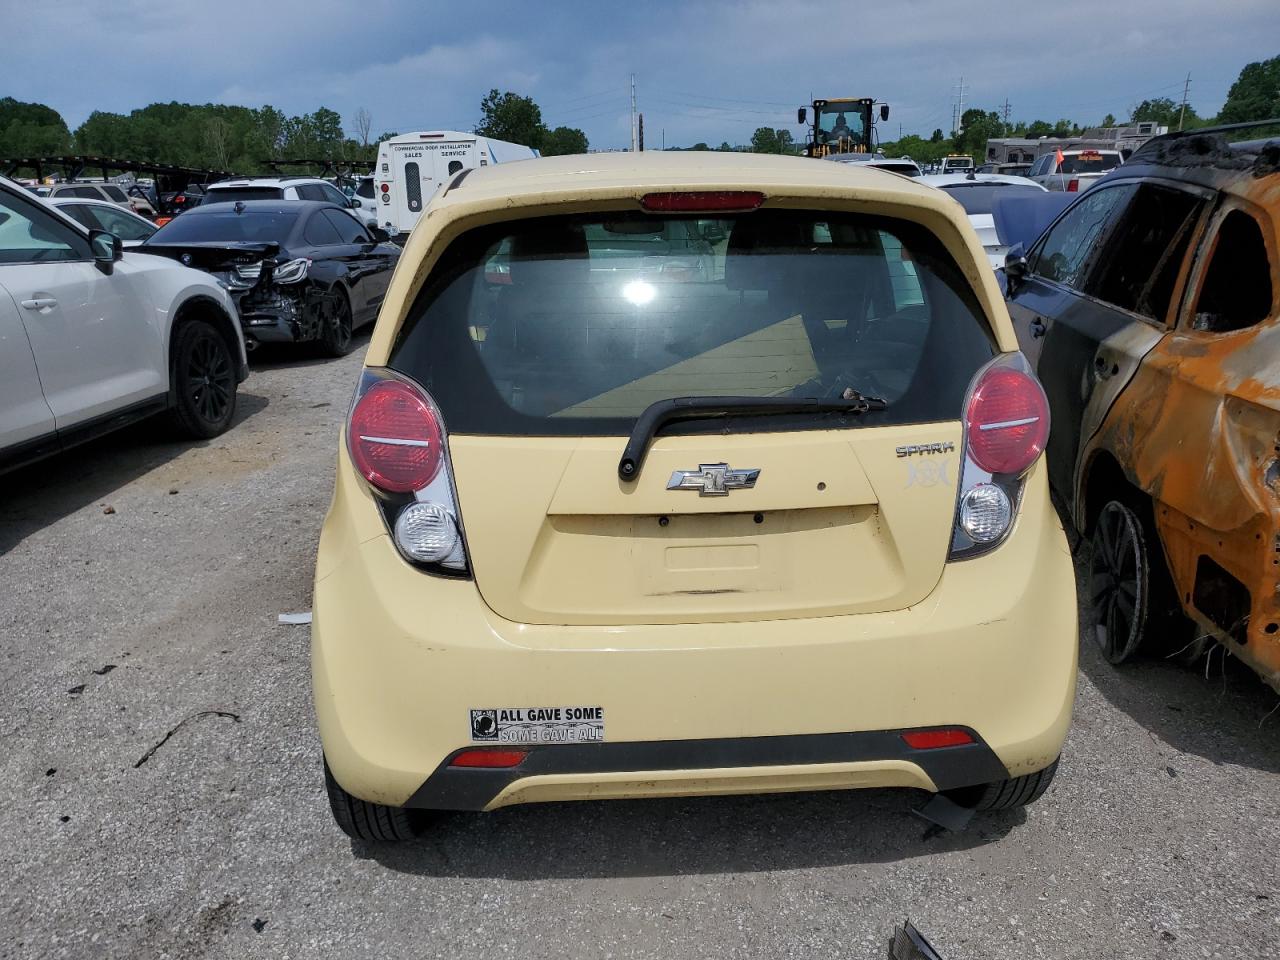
{"points": [[634, 139], [957, 109], [1004, 129], [1186, 88]]}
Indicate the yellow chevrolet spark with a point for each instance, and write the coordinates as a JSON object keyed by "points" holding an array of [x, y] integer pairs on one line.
{"points": [[675, 474]]}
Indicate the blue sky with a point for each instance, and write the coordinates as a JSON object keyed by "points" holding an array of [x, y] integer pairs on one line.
{"points": [[708, 71]]}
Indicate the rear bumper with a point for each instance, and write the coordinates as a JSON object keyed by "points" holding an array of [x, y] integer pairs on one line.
{"points": [[731, 765], [399, 659]]}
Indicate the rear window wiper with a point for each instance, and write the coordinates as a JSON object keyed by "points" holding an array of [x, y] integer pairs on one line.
{"points": [[658, 415]]}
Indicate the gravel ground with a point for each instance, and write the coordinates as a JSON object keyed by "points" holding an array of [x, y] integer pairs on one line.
{"points": [[160, 789]]}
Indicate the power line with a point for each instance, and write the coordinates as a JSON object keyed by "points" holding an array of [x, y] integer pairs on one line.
{"points": [[704, 96], [736, 111]]}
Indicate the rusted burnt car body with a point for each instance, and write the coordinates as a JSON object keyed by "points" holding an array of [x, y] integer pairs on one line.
{"points": [[1150, 310]]}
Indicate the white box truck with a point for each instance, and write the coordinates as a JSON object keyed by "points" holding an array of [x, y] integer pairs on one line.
{"points": [[413, 166]]}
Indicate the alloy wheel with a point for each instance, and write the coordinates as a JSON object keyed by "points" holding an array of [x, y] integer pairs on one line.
{"points": [[1118, 582], [210, 378]]}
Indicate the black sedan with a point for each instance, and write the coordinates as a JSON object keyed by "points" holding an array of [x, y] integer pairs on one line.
{"points": [[299, 270]]}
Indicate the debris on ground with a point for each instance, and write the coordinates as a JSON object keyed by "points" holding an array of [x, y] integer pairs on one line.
{"points": [[295, 619], [233, 717], [945, 814], [908, 943]]}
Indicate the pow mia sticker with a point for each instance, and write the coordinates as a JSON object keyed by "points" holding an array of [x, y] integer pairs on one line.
{"points": [[538, 725]]}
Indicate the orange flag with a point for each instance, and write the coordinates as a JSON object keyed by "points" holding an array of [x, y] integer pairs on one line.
{"points": [[1057, 155]]}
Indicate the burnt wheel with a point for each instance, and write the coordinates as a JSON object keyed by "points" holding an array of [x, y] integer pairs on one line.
{"points": [[203, 380], [335, 335], [1119, 582]]}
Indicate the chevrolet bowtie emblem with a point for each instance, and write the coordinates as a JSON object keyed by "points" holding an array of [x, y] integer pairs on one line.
{"points": [[713, 479]]}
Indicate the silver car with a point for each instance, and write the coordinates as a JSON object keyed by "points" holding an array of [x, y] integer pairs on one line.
{"points": [[1074, 171]]}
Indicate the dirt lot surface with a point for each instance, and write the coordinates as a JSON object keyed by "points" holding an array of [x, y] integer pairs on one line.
{"points": [[161, 796]]}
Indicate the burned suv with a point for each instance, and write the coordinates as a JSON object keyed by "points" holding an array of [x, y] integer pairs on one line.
{"points": [[1149, 309]]}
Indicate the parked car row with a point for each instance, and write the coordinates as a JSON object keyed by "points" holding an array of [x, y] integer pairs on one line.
{"points": [[93, 337], [103, 319]]}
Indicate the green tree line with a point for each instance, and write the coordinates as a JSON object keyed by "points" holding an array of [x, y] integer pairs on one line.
{"points": [[1254, 96], [239, 139]]}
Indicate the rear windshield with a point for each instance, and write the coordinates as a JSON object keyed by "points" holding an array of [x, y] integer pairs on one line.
{"points": [[365, 189], [1089, 163], [980, 197], [232, 194], [906, 169], [220, 224], [574, 325]]}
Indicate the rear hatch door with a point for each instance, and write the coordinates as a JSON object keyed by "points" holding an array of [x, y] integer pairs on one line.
{"points": [[542, 367]]}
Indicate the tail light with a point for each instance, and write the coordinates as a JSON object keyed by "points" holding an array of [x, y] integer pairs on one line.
{"points": [[161, 221], [1006, 427], [1073, 185], [398, 443]]}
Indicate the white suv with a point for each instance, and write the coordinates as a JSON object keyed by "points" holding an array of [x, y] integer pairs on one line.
{"points": [[281, 188], [92, 337]]}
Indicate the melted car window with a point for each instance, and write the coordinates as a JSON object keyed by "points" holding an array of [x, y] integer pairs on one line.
{"points": [[1066, 252], [1237, 286], [1139, 268]]}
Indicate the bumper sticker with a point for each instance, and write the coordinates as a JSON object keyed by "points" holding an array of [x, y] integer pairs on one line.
{"points": [[538, 725]]}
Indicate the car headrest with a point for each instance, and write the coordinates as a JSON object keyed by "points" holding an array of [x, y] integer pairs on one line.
{"points": [[744, 268], [561, 242]]}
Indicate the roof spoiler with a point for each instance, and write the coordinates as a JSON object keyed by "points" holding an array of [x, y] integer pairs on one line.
{"points": [[1155, 142]]}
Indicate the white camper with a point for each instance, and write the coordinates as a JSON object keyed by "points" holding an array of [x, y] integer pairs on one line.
{"points": [[413, 166]]}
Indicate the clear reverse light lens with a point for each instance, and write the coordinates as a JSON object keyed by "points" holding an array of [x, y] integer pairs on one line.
{"points": [[426, 532], [985, 513]]}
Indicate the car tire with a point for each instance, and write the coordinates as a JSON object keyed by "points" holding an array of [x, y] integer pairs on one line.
{"points": [[373, 822], [202, 373], [335, 336], [1014, 792], [1133, 605]]}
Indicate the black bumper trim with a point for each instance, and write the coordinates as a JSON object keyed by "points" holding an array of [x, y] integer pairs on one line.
{"points": [[471, 788]]}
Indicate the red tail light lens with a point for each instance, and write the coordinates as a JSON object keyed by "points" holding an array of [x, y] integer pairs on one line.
{"points": [[386, 188], [394, 437], [932, 739], [1007, 423], [180, 198], [701, 202], [161, 221], [490, 759], [1073, 186]]}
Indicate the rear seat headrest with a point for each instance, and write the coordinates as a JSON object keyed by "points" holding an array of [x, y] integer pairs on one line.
{"points": [[751, 236], [564, 242]]}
